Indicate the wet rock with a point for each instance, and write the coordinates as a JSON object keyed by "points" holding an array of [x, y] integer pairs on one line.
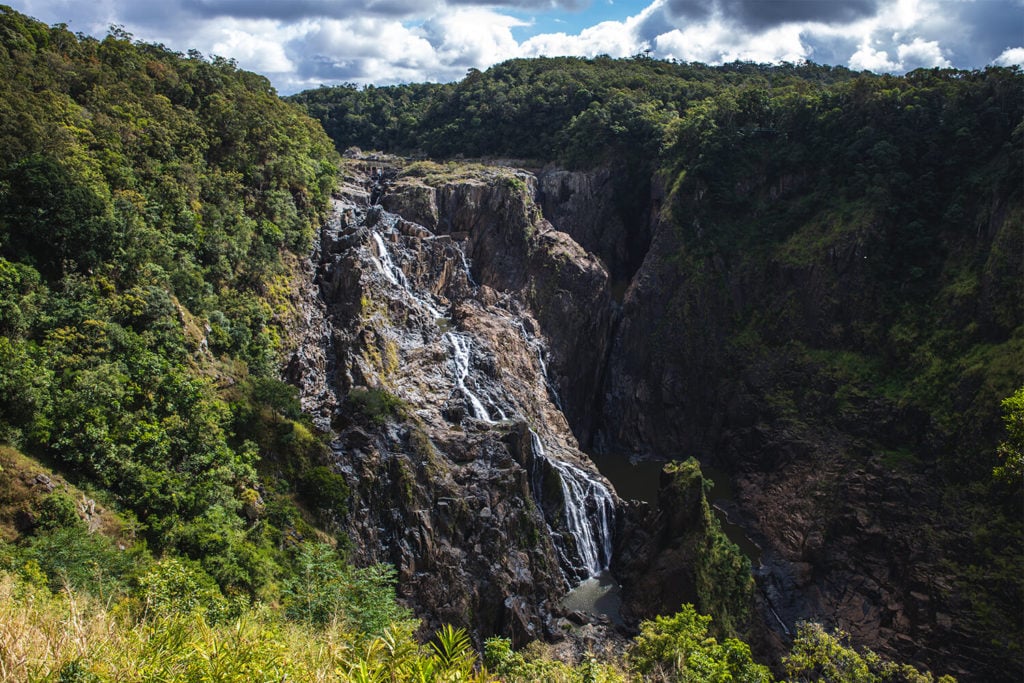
{"points": [[434, 445]]}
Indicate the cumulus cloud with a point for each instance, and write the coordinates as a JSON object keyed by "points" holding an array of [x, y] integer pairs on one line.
{"points": [[612, 38], [867, 58], [303, 43], [361, 50], [758, 15], [572, 5], [292, 10], [916, 54], [259, 52], [921, 54], [1013, 56], [717, 43], [471, 37]]}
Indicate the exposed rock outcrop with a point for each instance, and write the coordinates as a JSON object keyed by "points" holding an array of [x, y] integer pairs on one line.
{"points": [[448, 422]]}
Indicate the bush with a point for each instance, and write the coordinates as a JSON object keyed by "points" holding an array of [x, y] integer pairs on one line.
{"points": [[678, 648], [375, 405], [323, 488], [325, 590], [58, 510], [176, 586], [71, 557]]}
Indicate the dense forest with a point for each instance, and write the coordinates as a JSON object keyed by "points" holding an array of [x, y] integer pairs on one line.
{"points": [[168, 512]]}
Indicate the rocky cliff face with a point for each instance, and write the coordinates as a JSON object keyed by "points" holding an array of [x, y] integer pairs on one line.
{"points": [[444, 418], [744, 359], [466, 347]]}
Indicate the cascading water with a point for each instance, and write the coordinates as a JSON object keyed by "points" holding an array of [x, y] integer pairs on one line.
{"points": [[393, 274], [465, 267], [538, 348], [589, 513], [461, 348], [387, 267], [582, 531]]}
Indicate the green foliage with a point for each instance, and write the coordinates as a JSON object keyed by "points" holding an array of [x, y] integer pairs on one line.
{"points": [[148, 205], [57, 510], [325, 590], [376, 405], [1011, 451], [67, 635], [534, 664], [679, 648], [325, 489], [179, 587], [819, 656], [722, 575], [70, 556], [454, 651], [584, 111]]}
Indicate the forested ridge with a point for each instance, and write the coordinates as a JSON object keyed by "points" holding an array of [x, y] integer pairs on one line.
{"points": [[168, 512]]}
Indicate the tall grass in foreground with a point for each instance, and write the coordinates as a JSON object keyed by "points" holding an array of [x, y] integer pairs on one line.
{"points": [[69, 637]]}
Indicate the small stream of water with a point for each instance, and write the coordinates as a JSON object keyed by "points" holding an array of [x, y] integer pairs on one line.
{"points": [[589, 513]]}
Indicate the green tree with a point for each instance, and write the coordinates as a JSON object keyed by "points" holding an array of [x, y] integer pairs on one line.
{"points": [[679, 648], [1011, 451], [327, 590]]}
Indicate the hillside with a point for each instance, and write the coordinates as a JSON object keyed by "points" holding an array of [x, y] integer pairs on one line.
{"points": [[271, 406], [153, 209]]}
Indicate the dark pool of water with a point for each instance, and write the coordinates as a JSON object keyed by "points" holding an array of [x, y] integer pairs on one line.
{"points": [[598, 596], [638, 480], [633, 480]]}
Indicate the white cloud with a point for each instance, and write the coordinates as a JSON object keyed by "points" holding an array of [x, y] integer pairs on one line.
{"points": [[360, 50], [471, 37], [921, 54], [909, 56], [612, 38], [255, 52], [867, 57], [1011, 56], [303, 43]]}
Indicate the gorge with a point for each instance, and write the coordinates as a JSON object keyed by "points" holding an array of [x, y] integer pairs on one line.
{"points": [[500, 318], [599, 369]]}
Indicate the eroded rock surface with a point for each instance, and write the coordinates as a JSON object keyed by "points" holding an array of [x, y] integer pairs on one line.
{"points": [[447, 425]]}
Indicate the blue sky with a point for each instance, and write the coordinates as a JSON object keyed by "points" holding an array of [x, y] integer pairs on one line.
{"points": [[573, 21], [301, 44]]}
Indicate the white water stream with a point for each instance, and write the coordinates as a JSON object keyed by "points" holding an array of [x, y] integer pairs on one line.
{"points": [[589, 511], [393, 274], [538, 347], [589, 508], [387, 267], [461, 349]]}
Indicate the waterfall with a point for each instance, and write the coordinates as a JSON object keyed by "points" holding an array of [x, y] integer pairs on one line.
{"points": [[393, 274], [461, 348], [465, 267], [589, 513], [580, 519], [387, 267]]}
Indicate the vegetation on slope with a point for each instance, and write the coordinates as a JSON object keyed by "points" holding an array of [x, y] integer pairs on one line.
{"points": [[885, 216], [152, 207]]}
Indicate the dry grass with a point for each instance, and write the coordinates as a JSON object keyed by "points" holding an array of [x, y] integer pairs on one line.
{"points": [[69, 637]]}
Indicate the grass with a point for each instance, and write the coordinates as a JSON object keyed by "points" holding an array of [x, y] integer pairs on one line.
{"points": [[71, 637]]}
